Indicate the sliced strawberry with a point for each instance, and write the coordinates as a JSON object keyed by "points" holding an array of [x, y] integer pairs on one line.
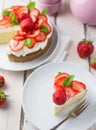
{"points": [[34, 18], [44, 17], [18, 37], [59, 81], [59, 97], [16, 45], [20, 9], [46, 24], [58, 87], [59, 75], [5, 22], [35, 12], [34, 34], [21, 33], [32, 44], [41, 37], [79, 86], [70, 92], [40, 23]]}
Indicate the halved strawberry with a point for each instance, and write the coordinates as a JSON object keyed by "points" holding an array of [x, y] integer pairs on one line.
{"points": [[70, 92], [29, 42], [5, 22], [59, 81], [42, 16], [34, 18], [58, 87], [59, 97], [40, 23], [35, 12], [21, 33], [60, 74], [16, 45], [46, 25], [79, 86], [34, 34], [18, 37], [20, 9], [23, 16], [41, 37]]}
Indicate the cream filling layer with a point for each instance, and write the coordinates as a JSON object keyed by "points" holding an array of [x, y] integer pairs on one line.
{"points": [[26, 50]]}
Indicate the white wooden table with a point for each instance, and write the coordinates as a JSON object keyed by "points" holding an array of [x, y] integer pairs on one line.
{"points": [[11, 115]]}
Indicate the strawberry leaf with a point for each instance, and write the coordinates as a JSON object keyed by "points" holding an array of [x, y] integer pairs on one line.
{"points": [[44, 12], [31, 5], [2, 95], [14, 23], [27, 42], [68, 80]]}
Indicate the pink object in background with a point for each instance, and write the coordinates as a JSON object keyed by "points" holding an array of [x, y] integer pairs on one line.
{"points": [[84, 10], [49, 1], [52, 8]]}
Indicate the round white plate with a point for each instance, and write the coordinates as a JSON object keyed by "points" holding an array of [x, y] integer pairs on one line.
{"points": [[16, 66], [37, 97]]}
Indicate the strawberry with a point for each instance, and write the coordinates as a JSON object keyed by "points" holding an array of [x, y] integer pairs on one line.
{"points": [[46, 28], [34, 34], [59, 97], [78, 86], [70, 92], [27, 25], [41, 37], [85, 48], [18, 37], [29, 42], [59, 81], [5, 22], [23, 16], [93, 63], [61, 74], [2, 81], [34, 18], [20, 9], [16, 45], [35, 12], [3, 98]]}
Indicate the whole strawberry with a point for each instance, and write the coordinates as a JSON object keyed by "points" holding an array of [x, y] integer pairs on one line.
{"points": [[93, 63], [3, 98], [2, 81], [85, 48]]}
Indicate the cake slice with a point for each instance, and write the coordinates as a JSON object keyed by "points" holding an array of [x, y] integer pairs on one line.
{"points": [[32, 39], [67, 91]]}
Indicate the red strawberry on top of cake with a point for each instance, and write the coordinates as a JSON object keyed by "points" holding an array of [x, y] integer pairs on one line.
{"points": [[33, 38], [66, 91]]}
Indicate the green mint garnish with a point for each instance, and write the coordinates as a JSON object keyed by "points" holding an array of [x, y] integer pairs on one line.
{"points": [[68, 80], [13, 17], [6, 12], [27, 42], [2, 95], [14, 23], [44, 29], [59, 73], [44, 12], [31, 5]]}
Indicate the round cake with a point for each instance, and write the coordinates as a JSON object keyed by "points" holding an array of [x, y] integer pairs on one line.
{"points": [[33, 37]]}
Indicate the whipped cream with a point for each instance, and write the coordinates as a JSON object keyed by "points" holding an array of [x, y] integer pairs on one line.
{"points": [[26, 50]]}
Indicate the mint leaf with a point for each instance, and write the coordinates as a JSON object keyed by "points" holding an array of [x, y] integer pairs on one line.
{"points": [[44, 11], [68, 80], [6, 12], [27, 42], [14, 23], [44, 29], [13, 17], [31, 5]]}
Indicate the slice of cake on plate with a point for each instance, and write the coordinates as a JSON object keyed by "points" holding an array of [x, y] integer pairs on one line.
{"points": [[33, 38], [66, 91]]}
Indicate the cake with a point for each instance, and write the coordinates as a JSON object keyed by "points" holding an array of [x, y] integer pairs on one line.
{"points": [[67, 91], [28, 30]]}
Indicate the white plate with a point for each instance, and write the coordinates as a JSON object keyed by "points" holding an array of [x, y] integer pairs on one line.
{"points": [[16, 66], [37, 97]]}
